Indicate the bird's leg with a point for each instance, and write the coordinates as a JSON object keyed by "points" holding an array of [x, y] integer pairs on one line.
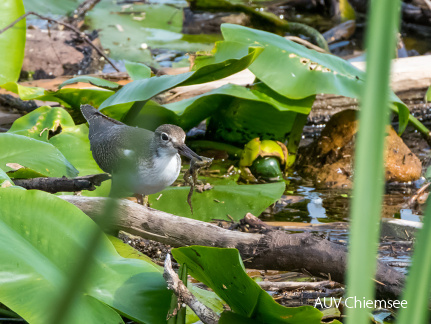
{"points": [[139, 198], [142, 199]]}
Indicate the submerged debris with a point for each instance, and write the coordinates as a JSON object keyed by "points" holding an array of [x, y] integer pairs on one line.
{"points": [[191, 175]]}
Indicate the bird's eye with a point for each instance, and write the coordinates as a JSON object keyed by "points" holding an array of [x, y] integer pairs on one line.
{"points": [[165, 137]]}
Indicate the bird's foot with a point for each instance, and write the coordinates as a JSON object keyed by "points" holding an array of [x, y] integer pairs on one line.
{"points": [[141, 199]]}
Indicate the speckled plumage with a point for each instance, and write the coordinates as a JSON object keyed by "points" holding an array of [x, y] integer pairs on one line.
{"points": [[138, 159]]}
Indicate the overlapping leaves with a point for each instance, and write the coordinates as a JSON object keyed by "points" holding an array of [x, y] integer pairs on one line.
{"points": [[55, 127], [39, 248], [223, 271]]}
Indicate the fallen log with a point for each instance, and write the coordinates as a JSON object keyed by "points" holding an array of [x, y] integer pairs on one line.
{"points": [[274, 250]]}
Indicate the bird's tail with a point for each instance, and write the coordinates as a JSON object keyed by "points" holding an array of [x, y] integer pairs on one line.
{"points": [[90, 113]]}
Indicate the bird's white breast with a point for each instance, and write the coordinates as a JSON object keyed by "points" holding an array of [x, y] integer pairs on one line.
{"points": [[163, 173]]}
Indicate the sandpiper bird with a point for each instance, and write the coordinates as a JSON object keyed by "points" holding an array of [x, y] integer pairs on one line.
{"points": [[140, 161]]}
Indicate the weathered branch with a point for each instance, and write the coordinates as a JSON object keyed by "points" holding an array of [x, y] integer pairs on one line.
{"points": [[7, 100], [54, 185], [69, 26], [205, 314], [275, 250], [293, 285]]}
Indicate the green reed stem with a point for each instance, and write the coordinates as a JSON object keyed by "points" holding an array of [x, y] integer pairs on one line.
{"points": [[368, 180], [418, 287]]}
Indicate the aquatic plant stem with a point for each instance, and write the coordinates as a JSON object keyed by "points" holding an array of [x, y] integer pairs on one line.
{"points": [[369, 171], [418, 288]]}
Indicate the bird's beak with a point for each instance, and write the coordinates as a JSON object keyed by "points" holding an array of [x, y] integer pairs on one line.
{"points": [[183, 149]]}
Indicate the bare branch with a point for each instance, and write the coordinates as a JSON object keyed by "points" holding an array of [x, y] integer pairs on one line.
{"points": [[205, 314], [293, 285]]}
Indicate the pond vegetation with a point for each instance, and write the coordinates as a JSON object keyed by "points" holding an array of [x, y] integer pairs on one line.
{"points": [[59, 265]]}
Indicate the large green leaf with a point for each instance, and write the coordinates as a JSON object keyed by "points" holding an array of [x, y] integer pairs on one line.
{"points": [[28, 93], [40, 122], [41, 237], [237, 114], [217, 203], [98, 82], [295, 71], [259, 106], [152, 116], [223, 271], [137, 71], [69, 97], [12, 41], [4, 177], [72, 141], [37, 156], [145, 89], [209, 298]]}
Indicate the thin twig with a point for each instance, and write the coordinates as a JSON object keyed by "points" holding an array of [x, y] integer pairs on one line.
{"points": [[205, 314], [79, 13], [73, 28], [306, 43]]}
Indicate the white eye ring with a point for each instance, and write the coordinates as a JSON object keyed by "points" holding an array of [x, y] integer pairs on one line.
{"points": [[165, 137]]}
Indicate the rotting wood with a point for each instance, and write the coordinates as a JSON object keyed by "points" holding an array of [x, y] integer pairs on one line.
{"points": [[275, 250]]}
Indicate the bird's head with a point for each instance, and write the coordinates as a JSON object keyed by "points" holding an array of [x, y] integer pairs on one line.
{"points": [[170, 139]]}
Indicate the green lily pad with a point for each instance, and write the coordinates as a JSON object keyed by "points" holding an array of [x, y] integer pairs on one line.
{"points": [[17, 151], [40, 122], [69, 97], [129, 31], [217, 203], [52, 6]]}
